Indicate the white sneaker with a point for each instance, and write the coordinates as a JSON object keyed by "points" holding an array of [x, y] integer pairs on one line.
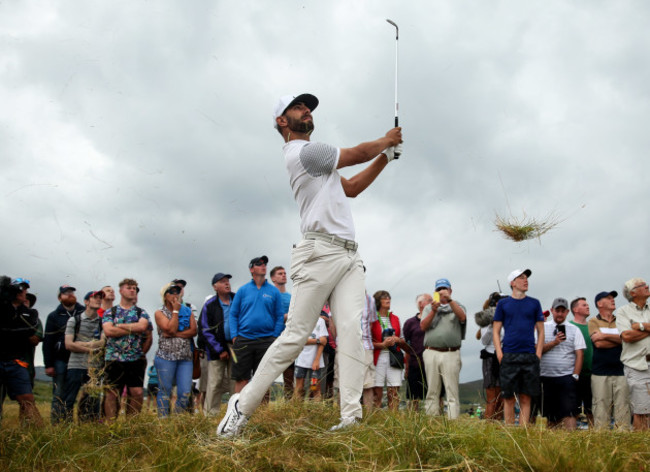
{"points": [[346, 421], [234, 420]]}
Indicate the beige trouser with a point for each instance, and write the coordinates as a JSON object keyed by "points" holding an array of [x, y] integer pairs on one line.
{"points": [[218, 383], [320, 271], [608, 391], [442, 367]]}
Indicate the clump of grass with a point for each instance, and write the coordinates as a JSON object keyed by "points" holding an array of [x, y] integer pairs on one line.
{"points": [[522, 229]]}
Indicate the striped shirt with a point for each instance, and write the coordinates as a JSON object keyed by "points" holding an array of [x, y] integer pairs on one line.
{"points": [[561, 359], [368, 317]]}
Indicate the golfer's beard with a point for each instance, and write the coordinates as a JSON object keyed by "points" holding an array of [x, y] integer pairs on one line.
{"points": [[298, 126]]}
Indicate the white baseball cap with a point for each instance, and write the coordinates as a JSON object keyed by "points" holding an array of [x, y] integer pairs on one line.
{"points": [[285, 102], [516, 273]]}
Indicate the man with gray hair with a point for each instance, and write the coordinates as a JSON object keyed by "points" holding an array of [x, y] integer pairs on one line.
{"points": [[633, 322], [416, 379]]}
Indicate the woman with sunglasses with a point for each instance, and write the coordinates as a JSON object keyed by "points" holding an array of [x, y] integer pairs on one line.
{"points": [[173, 361]]}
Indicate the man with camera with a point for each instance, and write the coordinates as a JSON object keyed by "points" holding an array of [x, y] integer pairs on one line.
{"points": [[443, 323], [17, 325], [562, 357]]}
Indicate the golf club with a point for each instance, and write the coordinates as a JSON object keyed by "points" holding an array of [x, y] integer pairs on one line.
{"points": [[396, 64]]}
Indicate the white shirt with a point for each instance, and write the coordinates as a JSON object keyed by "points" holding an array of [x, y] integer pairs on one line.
{"points": [[308, 353], [561, 359], [317, 188]]}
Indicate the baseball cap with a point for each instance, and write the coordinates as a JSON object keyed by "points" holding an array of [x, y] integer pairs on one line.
{"points": [[91, 294], [180, 282], [220, 275], [32, 299], [285, 102], [20, 282], [173, 287], [558, 302], [442, 283], [516, 273], [602, 295], [256, 259], [66, 288]]}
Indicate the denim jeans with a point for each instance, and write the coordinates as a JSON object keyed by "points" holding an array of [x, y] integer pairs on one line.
{"points": [[61, 406], [170, 373], [88, 404]]}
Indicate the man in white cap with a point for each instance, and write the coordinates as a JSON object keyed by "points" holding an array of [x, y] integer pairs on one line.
{"points": [[520, 316], [325, 264]]}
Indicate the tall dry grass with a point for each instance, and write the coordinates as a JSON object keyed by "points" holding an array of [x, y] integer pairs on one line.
{"points": [[290, 436]]}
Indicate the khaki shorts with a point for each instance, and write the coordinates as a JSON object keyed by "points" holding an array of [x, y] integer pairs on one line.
{"points": [[369, 366], [639, 383]]}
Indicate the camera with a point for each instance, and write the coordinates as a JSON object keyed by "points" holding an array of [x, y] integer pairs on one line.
{"points": [[386, 333]]}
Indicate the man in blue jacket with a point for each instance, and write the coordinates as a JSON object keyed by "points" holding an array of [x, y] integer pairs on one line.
{"points": [[256, 319], [55, 355]]}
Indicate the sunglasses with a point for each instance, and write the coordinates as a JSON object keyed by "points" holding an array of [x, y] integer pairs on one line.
{"points": [[19, 281], [259, 263]]}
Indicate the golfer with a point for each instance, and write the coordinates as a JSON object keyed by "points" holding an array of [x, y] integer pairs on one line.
{"points": [[325, 265]]}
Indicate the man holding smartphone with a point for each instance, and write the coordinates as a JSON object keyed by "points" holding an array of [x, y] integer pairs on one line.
{"points": [[562, 357]]}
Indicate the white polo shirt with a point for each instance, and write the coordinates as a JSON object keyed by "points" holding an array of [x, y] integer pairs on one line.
{"points": [[317, 188], [561, 359]]}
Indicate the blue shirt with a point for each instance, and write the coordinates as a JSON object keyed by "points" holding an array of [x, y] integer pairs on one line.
{"points": [[226, 319], [256, 313], [519, 317], [286, 301]]}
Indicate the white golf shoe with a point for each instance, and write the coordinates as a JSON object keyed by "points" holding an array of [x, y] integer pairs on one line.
{"points": [[234, 420], [346, 422]]}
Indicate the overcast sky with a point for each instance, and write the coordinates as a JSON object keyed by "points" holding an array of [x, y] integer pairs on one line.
{"points": [[136, 140]]}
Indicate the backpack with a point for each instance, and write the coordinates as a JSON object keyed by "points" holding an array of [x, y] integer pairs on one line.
{"points": [[77, 326]]}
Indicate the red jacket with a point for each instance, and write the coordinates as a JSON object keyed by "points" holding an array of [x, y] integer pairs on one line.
{"points": [[377, 329]]}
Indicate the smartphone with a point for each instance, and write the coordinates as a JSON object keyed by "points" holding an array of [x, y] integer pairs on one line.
{"points": [[561, 329], [436, 297]]}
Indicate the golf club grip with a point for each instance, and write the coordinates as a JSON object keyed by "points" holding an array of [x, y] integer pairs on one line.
{"points": [[397, 154]]}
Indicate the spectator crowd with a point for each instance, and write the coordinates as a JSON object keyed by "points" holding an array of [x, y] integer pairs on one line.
{"points": [[533, 361]]}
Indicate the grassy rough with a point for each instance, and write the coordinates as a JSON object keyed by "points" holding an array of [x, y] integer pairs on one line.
{"points": [[289, 436]]}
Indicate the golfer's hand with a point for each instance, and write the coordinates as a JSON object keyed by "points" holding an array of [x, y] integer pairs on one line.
{"points": [[395, 136]]}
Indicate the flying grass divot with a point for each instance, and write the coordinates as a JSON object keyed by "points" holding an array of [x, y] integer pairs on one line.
{"points": [[525, 228]]}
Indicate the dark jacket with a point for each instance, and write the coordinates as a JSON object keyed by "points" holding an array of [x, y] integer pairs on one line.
{"points": [[212, 337], [54, 340], [17, 325]]}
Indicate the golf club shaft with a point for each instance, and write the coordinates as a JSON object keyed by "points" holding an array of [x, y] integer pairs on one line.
{"points": [[396, 69]]}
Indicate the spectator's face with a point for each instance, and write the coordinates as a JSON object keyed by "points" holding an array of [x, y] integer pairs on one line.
{"points": [[94, 302], [129, 292], [258, 269], [424, 301], [559, 314], [384, 302], [68, 298], [222, 286], [640, 290], [581, 308], [521, 283], [109, 293], [608, 303], [280, 277], [21, 298]]}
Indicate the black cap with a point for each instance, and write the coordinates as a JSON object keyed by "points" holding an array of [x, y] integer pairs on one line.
{"points": [[66, 288], [602, 295], [220, 275], [257, 259], [180, 282]]}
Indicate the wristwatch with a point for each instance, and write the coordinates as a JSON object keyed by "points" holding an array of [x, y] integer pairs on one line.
{"points": [[575, 376], [641, 326]]}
